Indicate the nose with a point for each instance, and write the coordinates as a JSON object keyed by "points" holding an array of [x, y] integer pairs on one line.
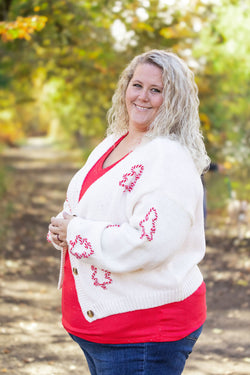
{"points": [[143, 95]]}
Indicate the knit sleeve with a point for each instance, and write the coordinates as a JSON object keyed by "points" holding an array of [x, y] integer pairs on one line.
{"points": [[157, 228]]}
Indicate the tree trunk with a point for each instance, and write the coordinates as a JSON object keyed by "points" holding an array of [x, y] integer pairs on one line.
{"points": [[4, 9]]}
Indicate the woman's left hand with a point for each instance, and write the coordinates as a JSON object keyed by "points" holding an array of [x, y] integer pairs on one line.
{"points": [[58, 229]]}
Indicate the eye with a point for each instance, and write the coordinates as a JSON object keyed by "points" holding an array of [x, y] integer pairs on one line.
{"points": [[137, 85], [155, 90]]}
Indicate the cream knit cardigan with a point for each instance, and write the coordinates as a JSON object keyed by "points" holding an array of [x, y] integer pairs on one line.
{"points": [[138, 233]]}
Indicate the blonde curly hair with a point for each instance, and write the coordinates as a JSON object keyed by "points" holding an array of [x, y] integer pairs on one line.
{"points": [[178, 116]]}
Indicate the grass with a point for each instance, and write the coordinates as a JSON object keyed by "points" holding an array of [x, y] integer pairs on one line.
{"points": [[6, 205]]}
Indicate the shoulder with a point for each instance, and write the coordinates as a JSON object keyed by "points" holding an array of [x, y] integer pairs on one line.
{"points": [[168, 154], [175, 173], [169, 165], [164, 145], [170, 147]]}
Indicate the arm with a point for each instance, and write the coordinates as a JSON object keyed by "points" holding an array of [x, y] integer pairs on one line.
{"points": [[156, 229], [159, 215]]}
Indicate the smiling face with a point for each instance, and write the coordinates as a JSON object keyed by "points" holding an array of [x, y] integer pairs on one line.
{"points": [[144, 96]]}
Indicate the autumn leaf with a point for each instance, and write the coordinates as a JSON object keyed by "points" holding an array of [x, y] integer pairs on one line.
{"points": [[21, 28]]}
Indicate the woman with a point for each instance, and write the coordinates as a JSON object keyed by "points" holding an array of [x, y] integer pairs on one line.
{"points": [[132, 231]]}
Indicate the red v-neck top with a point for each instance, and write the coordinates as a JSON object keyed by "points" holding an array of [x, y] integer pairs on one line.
{"points": [[97, 170], [169, 322]]}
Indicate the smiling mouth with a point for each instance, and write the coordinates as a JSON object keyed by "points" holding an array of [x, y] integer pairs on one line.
{"points": [[141, 108]]}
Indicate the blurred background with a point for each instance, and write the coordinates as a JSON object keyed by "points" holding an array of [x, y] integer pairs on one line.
{"points": [[59, 64], [61, 59]]}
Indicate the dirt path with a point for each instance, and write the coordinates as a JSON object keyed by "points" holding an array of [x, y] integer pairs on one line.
{"points": [[32, 339]]}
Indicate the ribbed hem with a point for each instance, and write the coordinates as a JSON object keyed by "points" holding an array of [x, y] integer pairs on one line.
{"points": [[116, 305]]}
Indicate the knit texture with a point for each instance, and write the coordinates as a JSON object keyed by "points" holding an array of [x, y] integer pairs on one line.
{"points": [[139, 233]]}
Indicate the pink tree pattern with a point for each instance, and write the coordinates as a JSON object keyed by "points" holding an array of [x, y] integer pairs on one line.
{"points": [[81, 247], [148, 224], [129, 179], [101, 277]]}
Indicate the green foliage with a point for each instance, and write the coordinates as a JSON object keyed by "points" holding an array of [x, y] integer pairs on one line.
{"points": [[218, 191], [225, 47], [77, 46], [61, 81]]}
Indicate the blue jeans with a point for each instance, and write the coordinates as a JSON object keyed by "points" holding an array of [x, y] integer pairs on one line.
{"points": [[150, 358]]}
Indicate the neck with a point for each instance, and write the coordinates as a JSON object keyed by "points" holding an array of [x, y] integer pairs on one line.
{"points": [[135, 137], [133, 140]]}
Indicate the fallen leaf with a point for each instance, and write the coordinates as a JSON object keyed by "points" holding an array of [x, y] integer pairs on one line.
{"points": [[242, 282], [217, 331]]}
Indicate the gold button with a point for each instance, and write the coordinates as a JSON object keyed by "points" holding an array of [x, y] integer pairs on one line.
{"points": [[90, 313], [75, 271]]}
